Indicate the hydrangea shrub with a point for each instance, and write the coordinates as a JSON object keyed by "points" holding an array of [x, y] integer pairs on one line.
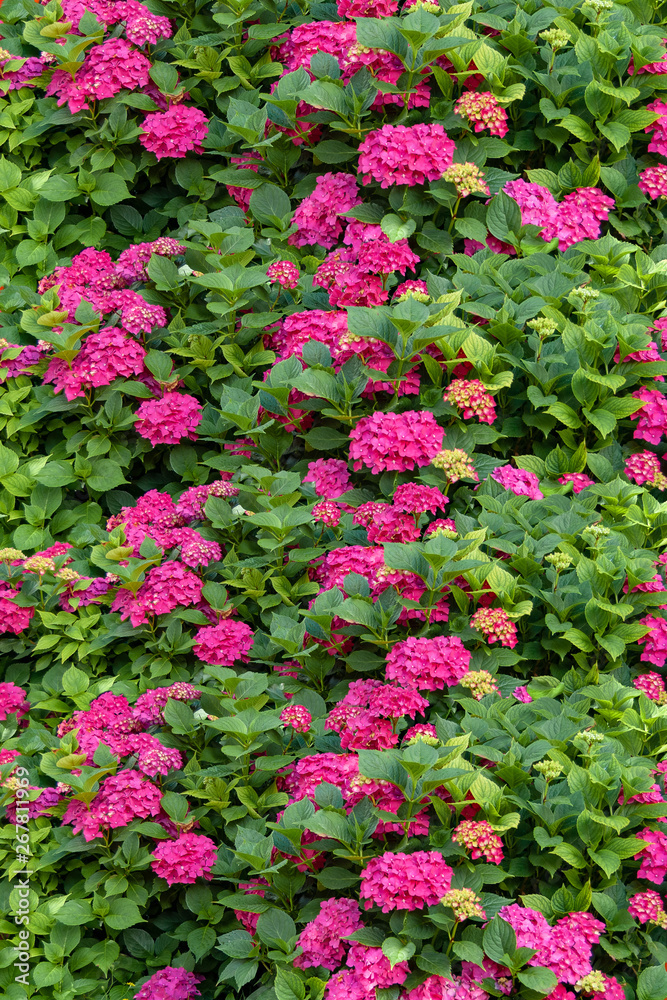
{"points": [[333, 524]]}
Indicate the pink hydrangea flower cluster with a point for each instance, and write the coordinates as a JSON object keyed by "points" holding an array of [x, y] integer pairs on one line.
{"points": [[368, 561], [95, 277], [132, 263], [653, 181], [355, 275], [170, 983], [28, 356], [653, 857], [183, 861], [384, 523], [521, 482], [577, 217], [104, 356], [318, 216], [112, 721], [401, 881], [191, 503], [225, 643], [165, 588], [108, 68], [284, 272], [122, 798], [652, 417], [472, 398], [365, 717], [395, 441], [477, 836], [328, 512], [329, 476], [483, 110], [297, 329], [405, 154], [428, 664], [496, 625], [655, 642], [141, 25], [13, 700], [170, 419], [148, 708], [644, 467], [25, 75], [367, 8], [647, 907], [296, 717], [340, 40], [658, 143], [578, 479], [175, 132], [653, 686], [322, 941], [412, 289]]}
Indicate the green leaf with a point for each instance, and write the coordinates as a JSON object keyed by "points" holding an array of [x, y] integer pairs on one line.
{"points": [[163, 272], [499, 941], [75, 681], [288, 985], [395, 229], [275, 927], [539, 979], [109, 189], [618, 134], [332, 151], [10, 174], [503, 217], [9, 461], [397, 952], [122, 913], [652, 983], [270, 204]]}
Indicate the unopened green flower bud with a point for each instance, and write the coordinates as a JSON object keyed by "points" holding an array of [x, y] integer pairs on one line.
{"points": [[549, 769], [556, 38], [545, 327], [559, 560]]}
